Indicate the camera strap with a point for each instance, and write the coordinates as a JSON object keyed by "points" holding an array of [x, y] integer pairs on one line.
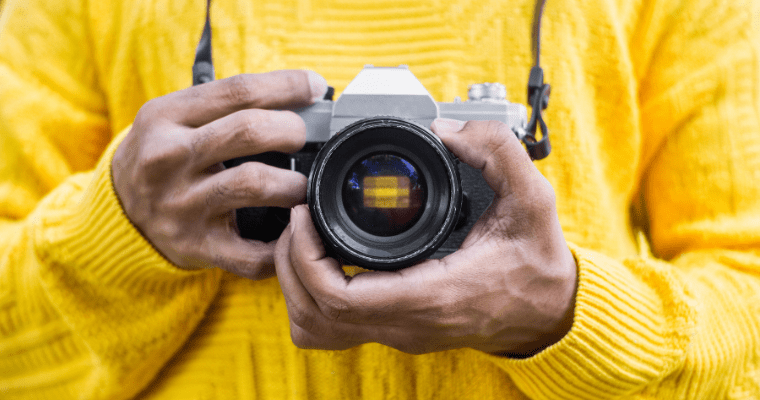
{"points": [[203, 67], [538, 91], [538, 94]]}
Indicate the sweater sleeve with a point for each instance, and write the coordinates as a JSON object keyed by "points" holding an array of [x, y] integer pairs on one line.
{"points": [[685, 323], [88, 309]]}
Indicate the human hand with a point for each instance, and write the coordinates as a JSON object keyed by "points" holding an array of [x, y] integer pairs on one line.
{"points": [[168, 173], [509, 289]]}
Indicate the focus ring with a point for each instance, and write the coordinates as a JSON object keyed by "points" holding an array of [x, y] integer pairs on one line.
{"points": [[373, 139]]}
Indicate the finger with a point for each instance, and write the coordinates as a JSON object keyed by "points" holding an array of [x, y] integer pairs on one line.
{"points": [[316, 323], [225, 249], [199, 105], [304, 339], [399, 338], [251, 184], [309, 254], [299, 301], [303, 311], [308, 260], [525, 204], [391, 298], [310, 328], [492, 147], [246, 132]]}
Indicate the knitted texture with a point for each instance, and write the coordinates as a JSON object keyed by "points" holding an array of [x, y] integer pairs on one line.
{"points": [[655, 121]]}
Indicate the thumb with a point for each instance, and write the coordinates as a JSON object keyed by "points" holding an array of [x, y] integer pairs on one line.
{"points": [[493, 148]]}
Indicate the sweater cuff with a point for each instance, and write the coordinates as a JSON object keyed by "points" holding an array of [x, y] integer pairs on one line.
{"points": [[97, 235], [632, 325]]}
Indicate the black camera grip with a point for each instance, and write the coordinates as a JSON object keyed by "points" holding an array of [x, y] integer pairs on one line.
{"points": [[262, 223]]}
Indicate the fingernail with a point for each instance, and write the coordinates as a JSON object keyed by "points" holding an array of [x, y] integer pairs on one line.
{"points": [[446, 125], [318, 86]]}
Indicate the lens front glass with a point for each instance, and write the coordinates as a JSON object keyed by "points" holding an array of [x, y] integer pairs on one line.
{"points": [[384, 194]]}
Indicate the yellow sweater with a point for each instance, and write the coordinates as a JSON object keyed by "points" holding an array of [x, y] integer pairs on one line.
{"points": [[655, 116]]}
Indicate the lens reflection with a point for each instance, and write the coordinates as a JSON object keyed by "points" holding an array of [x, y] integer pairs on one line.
{"points": [[384, 194]]}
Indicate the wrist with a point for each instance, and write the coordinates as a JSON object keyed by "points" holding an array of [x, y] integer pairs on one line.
{"points": [[542, 340], [559, 298]]}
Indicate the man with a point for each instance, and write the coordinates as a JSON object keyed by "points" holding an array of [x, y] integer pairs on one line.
{"points": [[123, 275]]}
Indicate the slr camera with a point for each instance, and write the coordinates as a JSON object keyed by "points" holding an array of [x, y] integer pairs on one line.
{"points": [[383, 191]]}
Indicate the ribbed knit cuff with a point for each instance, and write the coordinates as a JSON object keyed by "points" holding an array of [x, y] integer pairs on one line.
{"points": [[632, 325], [96, 235], [127, 305]]}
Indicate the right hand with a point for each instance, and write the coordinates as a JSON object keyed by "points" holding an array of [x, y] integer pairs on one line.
{"points": [[169, 176]]}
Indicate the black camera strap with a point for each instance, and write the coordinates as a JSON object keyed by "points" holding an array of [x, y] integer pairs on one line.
{"points": [[538, 94], [538, 91], [203, 67]]}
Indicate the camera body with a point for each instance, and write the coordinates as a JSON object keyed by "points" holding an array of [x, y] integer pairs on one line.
{"points": [[380, 123]]}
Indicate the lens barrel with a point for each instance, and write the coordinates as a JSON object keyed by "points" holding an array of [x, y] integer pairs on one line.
{"points": [[384, 193]]}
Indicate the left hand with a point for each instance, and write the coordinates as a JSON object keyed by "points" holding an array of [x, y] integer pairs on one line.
{"points": [[509, 289]]}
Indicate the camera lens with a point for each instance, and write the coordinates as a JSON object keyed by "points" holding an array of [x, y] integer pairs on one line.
{"points": [[384, 193]]}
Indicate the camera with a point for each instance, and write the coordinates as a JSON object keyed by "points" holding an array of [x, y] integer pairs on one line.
{"points": [[383, 191]]}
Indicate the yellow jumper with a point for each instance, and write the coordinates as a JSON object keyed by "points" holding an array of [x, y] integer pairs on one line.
{"points": [[655, 119]]}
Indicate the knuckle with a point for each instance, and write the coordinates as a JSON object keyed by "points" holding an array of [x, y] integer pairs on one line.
{"points": [[250, 127], [497, 135], [335, 308], [217, 193], [253, 181], [153, 113], [201, 140], [501, 128], [186, 248], [297, 337], [240, 91], [302, 318], [146, 112], [157, 161], [542, 197], [301, 338], [169, 229]]}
